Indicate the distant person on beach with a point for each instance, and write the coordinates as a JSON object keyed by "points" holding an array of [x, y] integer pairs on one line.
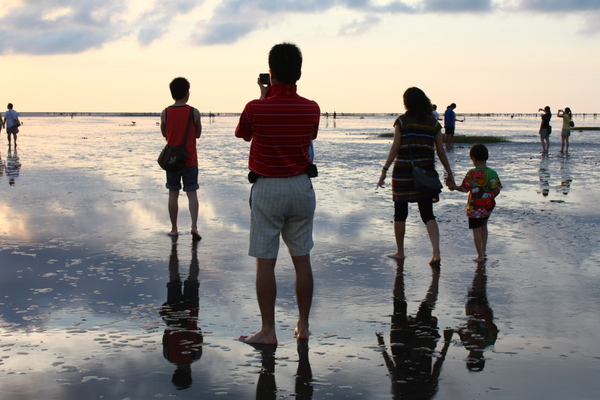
{"points": [[545, 130], [567, 117], [173, 122], [450, 125], [10, 117], [435, 113], [483, 185], [416, 135], [280, 126]]}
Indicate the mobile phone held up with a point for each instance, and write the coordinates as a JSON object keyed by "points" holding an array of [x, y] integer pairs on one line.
{"points": [[265, 79]]}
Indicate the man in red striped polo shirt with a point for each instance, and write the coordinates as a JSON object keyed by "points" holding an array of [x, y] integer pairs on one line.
{"points": [[280, 126]]}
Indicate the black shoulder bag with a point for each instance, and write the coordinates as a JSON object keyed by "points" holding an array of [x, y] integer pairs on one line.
{"points": [[173, 158]]}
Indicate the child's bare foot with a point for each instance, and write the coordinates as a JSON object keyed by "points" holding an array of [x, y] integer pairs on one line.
{"points": [[259, 338], [195, 235], [397, 255]]}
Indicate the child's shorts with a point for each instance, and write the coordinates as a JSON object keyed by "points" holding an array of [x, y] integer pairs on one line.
{"points": [[475, 223]]}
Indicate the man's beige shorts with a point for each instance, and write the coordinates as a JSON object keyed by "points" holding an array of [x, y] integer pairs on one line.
{"points": [[281, 206]]}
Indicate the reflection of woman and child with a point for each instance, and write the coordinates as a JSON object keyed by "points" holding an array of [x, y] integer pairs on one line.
{"points": [[182, 339], [413, 339]]}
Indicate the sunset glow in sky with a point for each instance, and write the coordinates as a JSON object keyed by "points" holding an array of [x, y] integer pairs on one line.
{"points": [[359, 55]]}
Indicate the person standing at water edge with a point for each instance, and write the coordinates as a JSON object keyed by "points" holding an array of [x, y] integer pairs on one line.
{"points": [[545, 130], [10, 116], [567, 117], [435, 113], [280, 126], [173, 122], [483, 185], [416, 135], [450, 125]]}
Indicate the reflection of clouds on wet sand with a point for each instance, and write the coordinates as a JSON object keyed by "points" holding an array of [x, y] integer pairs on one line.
{"points": [[84, 261]]}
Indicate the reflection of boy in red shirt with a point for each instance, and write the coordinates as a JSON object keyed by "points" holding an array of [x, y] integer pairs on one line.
{"points": [[483, 185]]}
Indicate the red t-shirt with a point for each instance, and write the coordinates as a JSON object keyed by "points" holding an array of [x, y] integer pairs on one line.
{"points": [[281, 127], [177, 119]]}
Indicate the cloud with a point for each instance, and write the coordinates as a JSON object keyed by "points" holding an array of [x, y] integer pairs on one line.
{"points": [[457, 6], [358, 27], [59, 26], [155, 22], [73, 26], [548, 6]]}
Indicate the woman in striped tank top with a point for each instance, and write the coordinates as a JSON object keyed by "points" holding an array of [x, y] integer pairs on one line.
{"points": [[417, 137]]}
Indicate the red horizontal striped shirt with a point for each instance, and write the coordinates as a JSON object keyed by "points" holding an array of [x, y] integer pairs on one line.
{"points": [[281, 127]]}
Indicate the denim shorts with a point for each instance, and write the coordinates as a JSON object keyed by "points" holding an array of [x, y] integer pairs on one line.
{"points": [[189, 175]]}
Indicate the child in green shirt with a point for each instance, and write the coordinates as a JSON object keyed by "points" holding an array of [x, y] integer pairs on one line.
{"points": [[483, 185]]}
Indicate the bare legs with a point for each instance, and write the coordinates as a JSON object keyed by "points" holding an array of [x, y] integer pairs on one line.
{"points": [[545, 145], [193, 206], [480, 236], [399, 231], [304, 293], [266, 292], [434, 238], [174, 210], [564, 144]]}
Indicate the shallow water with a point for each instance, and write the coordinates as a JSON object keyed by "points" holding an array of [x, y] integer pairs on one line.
{"points": [[84, 263]]}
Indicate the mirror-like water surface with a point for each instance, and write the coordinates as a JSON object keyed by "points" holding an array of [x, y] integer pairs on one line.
{"points": [[86, 310]]}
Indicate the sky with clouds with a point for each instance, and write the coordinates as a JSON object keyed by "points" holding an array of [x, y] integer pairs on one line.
{"points": [[359, 55]]}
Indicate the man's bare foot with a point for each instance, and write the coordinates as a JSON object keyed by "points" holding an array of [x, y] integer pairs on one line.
{"points": [[173, 233], [479, 259], [397, 256], [435, 262], [195, 235], [259, 338], [301, 333]]}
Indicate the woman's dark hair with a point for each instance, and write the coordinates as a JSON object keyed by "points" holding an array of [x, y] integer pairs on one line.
{"points": [[285, 61], [417, 104], [568, 111]]}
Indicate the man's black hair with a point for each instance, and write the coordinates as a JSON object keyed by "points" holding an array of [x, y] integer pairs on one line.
{"points": [[285, 62]]}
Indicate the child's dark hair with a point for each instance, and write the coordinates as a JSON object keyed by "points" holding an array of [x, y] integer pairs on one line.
{"points": [[479, 152], [179, 88]]}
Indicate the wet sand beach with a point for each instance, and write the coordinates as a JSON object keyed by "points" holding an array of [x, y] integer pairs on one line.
{"points": [[85, 262]]}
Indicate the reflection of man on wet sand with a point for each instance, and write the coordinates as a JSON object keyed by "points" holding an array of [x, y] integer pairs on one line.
{"points": [[480, 332], [182, 338], [266, 387], [412, 341]]}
